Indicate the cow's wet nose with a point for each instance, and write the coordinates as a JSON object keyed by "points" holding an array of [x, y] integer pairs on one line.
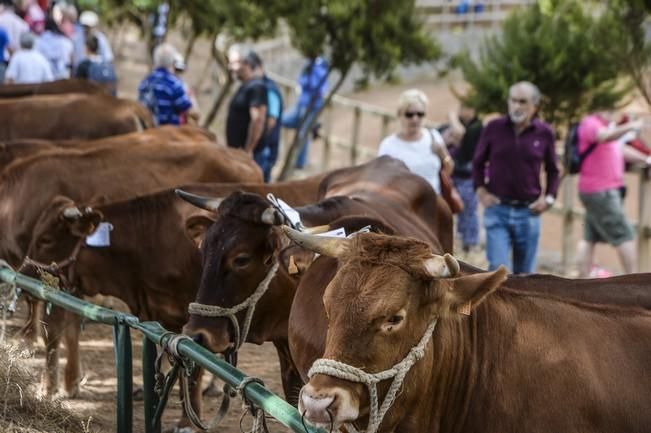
{"points": [[204, 338], [316, 406]]}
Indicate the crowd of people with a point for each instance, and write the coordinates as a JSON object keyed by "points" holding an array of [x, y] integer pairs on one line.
{"points": [[497, 164], [44, 45]]}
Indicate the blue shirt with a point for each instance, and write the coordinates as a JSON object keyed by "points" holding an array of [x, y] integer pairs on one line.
{"points": [[163, 93], [313, 81], [4, 41]]}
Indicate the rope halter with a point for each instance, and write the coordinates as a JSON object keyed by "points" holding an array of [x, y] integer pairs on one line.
{"points": [[398, 372], [249, 303]]}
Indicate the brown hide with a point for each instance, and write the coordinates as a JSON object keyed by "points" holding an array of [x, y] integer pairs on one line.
{"points": [[58, 87], [106, 174], [70, 116], [239, 248], [519, 361], [15, 149], [151, 265]]}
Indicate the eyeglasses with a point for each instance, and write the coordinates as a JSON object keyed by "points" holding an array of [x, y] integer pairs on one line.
{"points": [[410, 114]]}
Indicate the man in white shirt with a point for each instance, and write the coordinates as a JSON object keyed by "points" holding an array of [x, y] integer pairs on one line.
{"points": [[12, 23], [28, 65]]}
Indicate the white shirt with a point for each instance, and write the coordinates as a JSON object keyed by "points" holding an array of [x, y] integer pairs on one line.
{"points": [[14, 26], [29, 66], [57, 49], [417, 155]]}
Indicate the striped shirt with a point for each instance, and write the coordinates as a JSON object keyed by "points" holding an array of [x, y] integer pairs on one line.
{"points": [[163, 93]]}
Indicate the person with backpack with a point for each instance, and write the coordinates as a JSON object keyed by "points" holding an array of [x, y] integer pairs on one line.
{"points": [[266, 154], [161, 91], [601, 186], [95, 68]]}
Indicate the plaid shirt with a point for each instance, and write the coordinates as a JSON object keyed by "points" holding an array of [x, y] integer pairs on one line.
{"points": [[163, 93]]}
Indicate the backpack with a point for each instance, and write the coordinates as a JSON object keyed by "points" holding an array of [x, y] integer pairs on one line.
{"points": [[103, 73], [573, 158]]}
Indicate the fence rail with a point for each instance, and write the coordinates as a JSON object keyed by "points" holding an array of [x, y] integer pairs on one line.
{"points": [[154, 334]]}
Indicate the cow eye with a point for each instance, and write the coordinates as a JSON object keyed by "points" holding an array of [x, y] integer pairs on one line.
{"points": [[394, 320], [46, 241], [242, 261]]}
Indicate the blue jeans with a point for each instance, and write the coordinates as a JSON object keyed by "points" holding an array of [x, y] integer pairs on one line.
{"points": [[291, 119], [265, 161], [511, 230], [467, 221]]}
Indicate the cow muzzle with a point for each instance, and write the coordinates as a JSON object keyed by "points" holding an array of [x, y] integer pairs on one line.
{"points": [[327, 407], [216, 342]]}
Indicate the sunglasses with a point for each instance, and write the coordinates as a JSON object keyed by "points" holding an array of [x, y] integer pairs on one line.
{"points": [[410, 114]]}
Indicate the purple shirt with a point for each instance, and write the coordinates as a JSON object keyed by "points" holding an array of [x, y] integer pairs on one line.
{"points": [[515, 160]]}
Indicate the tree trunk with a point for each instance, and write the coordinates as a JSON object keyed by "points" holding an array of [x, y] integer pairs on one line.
{"points": [[222, 63], [187, 53], [300, 138]]}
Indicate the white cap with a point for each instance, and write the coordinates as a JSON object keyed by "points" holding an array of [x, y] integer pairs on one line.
{"points": [[88, 18]]}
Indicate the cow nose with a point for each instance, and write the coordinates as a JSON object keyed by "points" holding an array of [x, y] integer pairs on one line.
{"points": [[315, 405], [201, 337]]}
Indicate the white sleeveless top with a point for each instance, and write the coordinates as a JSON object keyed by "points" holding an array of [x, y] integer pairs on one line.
{"points": [[417, 155]]}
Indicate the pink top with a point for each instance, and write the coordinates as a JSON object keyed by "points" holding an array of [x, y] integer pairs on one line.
{"points": [[602, 169]]}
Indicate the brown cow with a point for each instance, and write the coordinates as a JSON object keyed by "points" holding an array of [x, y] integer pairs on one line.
{"points": [[148, 233], [518, 360], [58, 87], [106, 173], [70, 116], [12, 150], [239, 249]]}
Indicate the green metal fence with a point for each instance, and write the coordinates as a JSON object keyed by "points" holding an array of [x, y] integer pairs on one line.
{"points": [[154, 334]]}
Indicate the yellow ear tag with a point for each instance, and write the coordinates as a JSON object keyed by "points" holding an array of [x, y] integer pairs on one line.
{"points": [[291, 267], [464, 308]]}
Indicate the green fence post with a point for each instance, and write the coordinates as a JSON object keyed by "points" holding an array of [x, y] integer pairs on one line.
{"points": [[149, 354], [123, 360]]}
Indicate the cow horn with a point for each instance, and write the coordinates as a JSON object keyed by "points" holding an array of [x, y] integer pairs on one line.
{"points": [[271, 216], [316, 229], [325, 245], [201, 202], [71, 213], [441, 266]]}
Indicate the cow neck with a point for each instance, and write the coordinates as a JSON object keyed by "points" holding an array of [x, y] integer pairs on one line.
{"points": [[56, 269], [207, 310], [398, 372]]}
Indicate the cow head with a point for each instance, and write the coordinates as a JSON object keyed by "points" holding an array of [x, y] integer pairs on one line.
{"points": [[59, 230], [386, 293], [238, 251]]}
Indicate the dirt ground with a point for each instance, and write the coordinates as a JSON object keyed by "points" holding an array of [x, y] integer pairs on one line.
{"points": [[97, 401]]}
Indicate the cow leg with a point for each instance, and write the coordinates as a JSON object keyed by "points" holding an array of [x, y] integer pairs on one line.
{"points": [[292, 382], [30, 330], [52, 331], [73, 365]]}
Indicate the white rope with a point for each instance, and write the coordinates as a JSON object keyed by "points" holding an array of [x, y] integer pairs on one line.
{"points": [[207, 310], [398, 372]]}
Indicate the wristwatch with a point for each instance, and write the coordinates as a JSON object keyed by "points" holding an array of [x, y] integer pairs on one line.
{"points": [[549, 200]]}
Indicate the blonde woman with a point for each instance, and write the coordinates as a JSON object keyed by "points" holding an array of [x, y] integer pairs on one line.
{"points": [[422, 150]]}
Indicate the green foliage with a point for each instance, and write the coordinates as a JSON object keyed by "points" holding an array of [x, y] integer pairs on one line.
{"points": [[378, 35], [629, 47], [559, 46]]}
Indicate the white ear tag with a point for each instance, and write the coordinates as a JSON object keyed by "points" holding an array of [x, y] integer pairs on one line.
{"points": [[101, 237], [336, 233]]}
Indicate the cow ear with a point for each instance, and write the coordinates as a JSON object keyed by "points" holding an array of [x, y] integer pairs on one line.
{"points": [[468, 291], [84, 223], [196, 226], [295, 260]]}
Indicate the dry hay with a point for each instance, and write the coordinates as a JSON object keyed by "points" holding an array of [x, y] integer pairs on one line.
{"points": [[21, 410]]}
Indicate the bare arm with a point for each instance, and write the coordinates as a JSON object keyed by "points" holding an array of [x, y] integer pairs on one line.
{"points": [[256, 127], [609, 134], [634, 156]]}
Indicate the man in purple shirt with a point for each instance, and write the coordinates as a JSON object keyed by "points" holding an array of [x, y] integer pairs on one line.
{"points": [[506, 176]]}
